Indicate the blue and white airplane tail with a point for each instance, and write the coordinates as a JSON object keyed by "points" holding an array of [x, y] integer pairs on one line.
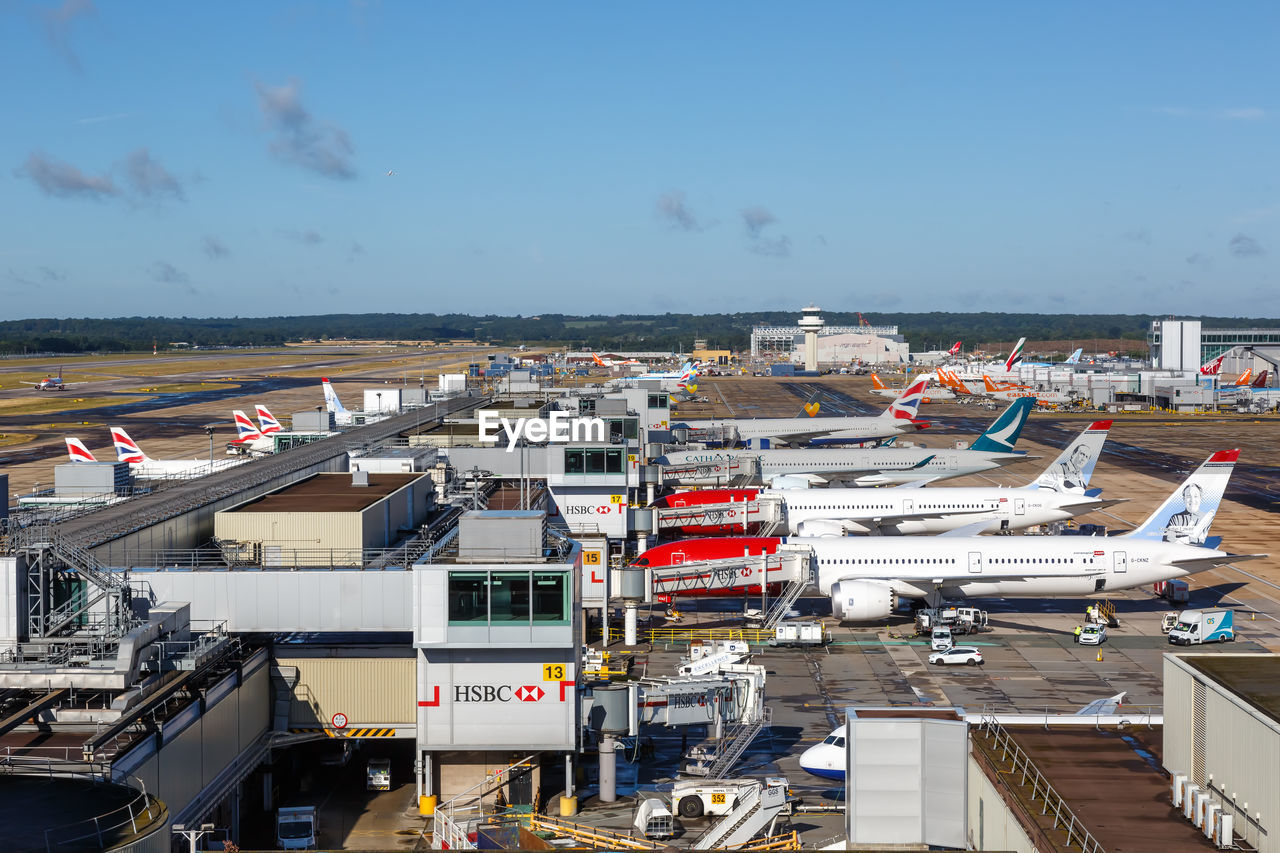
{"points": [[331, 401], [268, 421], [127, 450], [1071, 471], [1074, 358], [245, 430], [1185, 515], [1002, 434]]}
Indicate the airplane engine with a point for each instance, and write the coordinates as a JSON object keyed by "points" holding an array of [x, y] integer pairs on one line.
{"points": [[862, 601], [821, 527]]}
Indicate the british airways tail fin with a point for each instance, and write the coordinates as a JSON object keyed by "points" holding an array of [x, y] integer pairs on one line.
{"points": [[127, 450], [1185, 515], [1015, 356], [907, 405], [1074, 466], [267, 421], [1004, 432], [331, 401], [78, 452], [245, 430]]}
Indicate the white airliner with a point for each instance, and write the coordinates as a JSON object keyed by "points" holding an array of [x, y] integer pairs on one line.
{"points": [[1056, 495], [939, 392], [143, 467], [896, 420], [609, 362], [341, 417], [860, 467], [866, 577], [250, 440], [828, 759]]}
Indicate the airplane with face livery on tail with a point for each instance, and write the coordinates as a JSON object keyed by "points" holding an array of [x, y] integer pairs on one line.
{"points": [[341, 417], [1056, 495], [867, 577], [898, 419]]}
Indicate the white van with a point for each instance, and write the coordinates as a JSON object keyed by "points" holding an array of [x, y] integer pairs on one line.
{"points": [[941, 639], [378, 774]]}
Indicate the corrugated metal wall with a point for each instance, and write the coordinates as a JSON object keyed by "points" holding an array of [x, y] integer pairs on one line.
{"points": [[1177, 718], [319, 538], [370, 691]]}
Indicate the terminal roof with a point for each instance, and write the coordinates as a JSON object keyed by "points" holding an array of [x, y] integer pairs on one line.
{"points": [[329, 493], [1254, 678]]}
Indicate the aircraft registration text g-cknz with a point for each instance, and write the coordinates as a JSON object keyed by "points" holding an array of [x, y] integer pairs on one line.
{"points": [[560, 428]]}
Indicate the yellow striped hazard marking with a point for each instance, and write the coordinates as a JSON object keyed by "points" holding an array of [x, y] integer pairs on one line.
{"points": [[347, 732]]}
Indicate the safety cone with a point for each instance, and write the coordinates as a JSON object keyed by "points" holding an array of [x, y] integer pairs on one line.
{"points": [[1099, 658], [1253, 617]]}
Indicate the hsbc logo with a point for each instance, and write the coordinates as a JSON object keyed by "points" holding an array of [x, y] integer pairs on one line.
{"points": [[589, 510], [497, 693]]}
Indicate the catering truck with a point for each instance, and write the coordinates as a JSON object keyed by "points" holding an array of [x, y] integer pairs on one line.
{"points": [[1203, 626]]}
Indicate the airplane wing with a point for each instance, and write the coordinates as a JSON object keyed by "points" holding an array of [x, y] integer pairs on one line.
{"points": [[916, 484], [969, 529], [1100, 707]]}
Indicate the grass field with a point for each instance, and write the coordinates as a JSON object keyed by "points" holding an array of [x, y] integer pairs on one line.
{"points": [[49, 405]]}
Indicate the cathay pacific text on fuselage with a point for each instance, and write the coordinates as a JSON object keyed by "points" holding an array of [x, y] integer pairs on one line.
{"points": [[560, 428]]}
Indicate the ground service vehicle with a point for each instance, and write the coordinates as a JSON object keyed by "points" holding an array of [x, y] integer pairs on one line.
{"points": [[378, 774], [1175, 591], [695, 798], [1203, 626], [961, 620], [296, 828], [1092, 635], [798, 634], [957, 654], [654, 820], [941, 640], [1167, 622]]}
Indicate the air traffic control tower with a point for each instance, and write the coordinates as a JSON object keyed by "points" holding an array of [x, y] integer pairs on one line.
{"points": [[811, 323]]}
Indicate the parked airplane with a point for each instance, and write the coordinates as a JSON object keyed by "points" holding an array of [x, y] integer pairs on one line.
{"points": [[49, 383], [860, 467], [867, 577], [1015, 356], [828, 759], [686, 375], [1211, 368], [608, 362], [1041, 397], [249, 439], [940, 391], [143, 467], [1056, 495], [341, 416], [899, 418]]}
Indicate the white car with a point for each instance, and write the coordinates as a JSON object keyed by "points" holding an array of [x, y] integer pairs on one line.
{"points": [[1092, 635], [957, 654]]}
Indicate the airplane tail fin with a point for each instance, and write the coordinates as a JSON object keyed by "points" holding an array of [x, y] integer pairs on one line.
{"points": [[331, 401], [907, 405], [811, 405], [1002, 434], [1244, 378], [1074, 358], [245, 430], [127, 450], [267, 421], [1211, 368], [1261, 381], [876, 383], [78, 452], [597, 360], [991, 386], [1186, 514], [1015, 356], [955, 348], [1074, 466]]}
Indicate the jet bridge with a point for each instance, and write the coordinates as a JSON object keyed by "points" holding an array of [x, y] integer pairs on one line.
{"points": [[758, 517], [734, 574], [739, 467]]}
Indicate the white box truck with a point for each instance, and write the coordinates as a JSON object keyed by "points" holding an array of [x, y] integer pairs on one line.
{"points": [[296, 828], [1203, 626]]}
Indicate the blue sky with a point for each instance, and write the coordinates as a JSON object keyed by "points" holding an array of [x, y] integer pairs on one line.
{"points": [[232, 158]]}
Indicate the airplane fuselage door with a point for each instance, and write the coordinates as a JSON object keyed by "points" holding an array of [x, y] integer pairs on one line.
{"points": [[975, 562], [677, 558], [1019, 506], [1120, 562], [906, 506], [952, 462]]}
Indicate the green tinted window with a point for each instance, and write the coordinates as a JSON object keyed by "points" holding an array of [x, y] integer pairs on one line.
{"points": [[468, 597]]}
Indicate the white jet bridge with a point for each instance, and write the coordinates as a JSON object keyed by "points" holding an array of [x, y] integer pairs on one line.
{"points": [[790, 567], [761, 516]]}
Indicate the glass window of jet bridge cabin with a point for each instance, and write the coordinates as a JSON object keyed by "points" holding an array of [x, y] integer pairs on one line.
{"points": [[468, 597], [509, 597], [551, 598]]}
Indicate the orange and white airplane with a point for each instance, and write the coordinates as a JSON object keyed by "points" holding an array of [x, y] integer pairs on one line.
{"points": [[1041, 397], [941, 392], [608, 362]]}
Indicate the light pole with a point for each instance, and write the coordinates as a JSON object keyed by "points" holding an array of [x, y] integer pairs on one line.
{"points": [[208, 428], [193, 835]]}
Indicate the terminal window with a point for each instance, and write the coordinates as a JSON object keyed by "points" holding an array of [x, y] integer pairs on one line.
{"points": [[468, 596], [509, 597], [594, 460], [550, 597], [657, 401]]}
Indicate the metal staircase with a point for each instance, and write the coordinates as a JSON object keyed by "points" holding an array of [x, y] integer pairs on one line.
{"points": [[735, 742], [781, 606], [758, 808], [48, 547]]}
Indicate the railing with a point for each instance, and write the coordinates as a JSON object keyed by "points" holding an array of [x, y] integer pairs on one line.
{"points": [[739, 737], [445, 826], [685, 635], [130, 819], [593, 836], [1052, 802]]}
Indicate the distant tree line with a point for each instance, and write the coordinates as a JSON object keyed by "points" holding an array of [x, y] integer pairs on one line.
{"points": [[599, 331]]}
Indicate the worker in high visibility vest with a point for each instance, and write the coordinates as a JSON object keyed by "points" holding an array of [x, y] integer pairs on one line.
{"points": [[1078, 631]]}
